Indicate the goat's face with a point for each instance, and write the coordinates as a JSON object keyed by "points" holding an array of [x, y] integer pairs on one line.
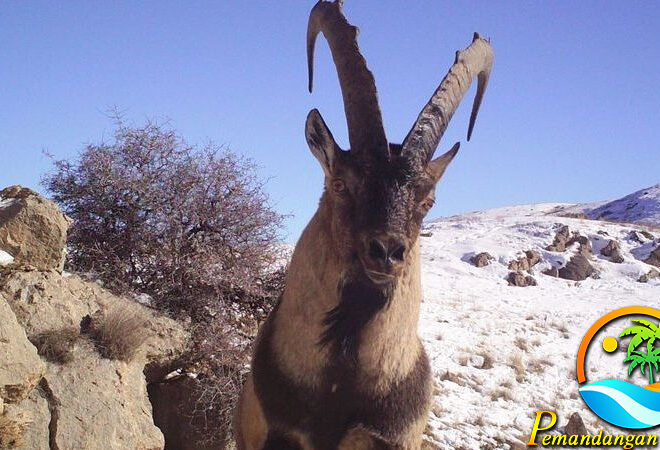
{"points": [[376, 205], [378, 193]]}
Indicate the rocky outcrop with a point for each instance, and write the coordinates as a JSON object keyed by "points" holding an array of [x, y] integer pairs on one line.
{"points": [[613, 251], [654, 257], [564, 239], [85, 401], [20, 366], [526, 262], [520, 279], [32, 229], [551, 272], [481, 259], [651, 275], [578, 268], [44, 301], [640, 236], [561, 238]]}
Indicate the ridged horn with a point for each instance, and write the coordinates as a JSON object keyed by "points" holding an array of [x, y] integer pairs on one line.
{"points": [[363, 117], [424, 136]]}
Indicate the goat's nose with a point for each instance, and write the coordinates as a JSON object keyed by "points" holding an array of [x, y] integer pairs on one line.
{"points": [[387, 250]]}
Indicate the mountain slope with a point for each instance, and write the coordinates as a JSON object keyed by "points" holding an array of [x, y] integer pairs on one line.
{"points": [[500, 352], [641, 207]]}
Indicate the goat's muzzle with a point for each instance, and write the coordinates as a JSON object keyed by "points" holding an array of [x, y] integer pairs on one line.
{"points": [[383, 256]]}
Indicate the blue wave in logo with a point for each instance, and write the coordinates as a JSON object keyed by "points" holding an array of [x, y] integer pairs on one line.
{"points": [[623, 404]]}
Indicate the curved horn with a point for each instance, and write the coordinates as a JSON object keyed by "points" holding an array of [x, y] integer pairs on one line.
{"points": [[358, 88], [424, 136]]}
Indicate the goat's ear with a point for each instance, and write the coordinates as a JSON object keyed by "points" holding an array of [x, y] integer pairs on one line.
{"points": [[320, 141], [437, 167]]}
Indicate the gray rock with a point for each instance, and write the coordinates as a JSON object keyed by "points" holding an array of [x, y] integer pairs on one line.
{"points": [[652, 274], [575, 426], [34, 414], [613, 251], [520, 279], [552, 272], [577, 269], [526, 262], [481, 259], [654, 257], [32, 229], [561, 238], [20, 365]]}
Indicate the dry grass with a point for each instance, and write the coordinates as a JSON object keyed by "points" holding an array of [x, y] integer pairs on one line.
{"points": [[56, 346], [501, 393], [12, 430], [118, 333], [517, 363], [539, 365], [488, 360], [521, 343]]}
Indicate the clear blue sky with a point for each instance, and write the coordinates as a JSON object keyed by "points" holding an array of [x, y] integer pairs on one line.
{"points": [[572, 113]]}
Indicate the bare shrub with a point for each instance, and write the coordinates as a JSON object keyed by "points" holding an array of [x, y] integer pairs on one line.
{"points": [[187, 225], [12, 431], [192, 228], [118, 333], [56, 345]]}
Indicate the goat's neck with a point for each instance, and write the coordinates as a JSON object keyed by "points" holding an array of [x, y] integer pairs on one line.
{"points": [[388, 343]]}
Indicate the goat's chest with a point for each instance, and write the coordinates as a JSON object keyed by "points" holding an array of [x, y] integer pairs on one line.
{"points": [[340, 403]]}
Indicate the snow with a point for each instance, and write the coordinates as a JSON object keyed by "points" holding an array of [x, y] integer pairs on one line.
{"points": [[5, 258], [500, 352], [5, 202], [642, 207]]}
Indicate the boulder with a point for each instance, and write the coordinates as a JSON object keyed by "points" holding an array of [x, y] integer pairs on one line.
{"points": [[578, 268], [93, 402], [32, 229], [101, 403], [564, 239], [526, 262], [654, 257], [520, 279], [552, 272], [640, 236], [481, 259], [613, 251], [575, 426], [21, 368], [33, 414], [44, 301], [652, 274], [561, 238]]}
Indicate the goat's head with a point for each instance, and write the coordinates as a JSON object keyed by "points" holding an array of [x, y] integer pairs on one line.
{"points": [[378, 193]]}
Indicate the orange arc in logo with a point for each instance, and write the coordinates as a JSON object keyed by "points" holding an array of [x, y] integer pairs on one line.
{"points": [[600, 323]]}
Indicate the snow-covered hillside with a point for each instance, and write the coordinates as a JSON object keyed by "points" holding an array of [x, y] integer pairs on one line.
{"points": [[641, 207], [499, 352]]}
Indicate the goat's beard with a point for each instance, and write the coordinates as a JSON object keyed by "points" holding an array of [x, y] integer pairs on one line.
{"points": [[360, 299]]}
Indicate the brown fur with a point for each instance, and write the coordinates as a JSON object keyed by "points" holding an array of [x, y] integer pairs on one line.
{"points": [[338, 363], [387, 352]]}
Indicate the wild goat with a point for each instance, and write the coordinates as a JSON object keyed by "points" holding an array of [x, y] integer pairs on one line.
{"points": [[338, 363]]}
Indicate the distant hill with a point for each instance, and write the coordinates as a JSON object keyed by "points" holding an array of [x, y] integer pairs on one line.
{"points": [[642, 207]]}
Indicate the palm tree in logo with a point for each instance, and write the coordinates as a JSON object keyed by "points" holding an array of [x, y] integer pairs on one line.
{"points": [[648, 332]]}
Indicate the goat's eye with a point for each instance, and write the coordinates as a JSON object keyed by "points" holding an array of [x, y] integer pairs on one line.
{"points": [[427, 204], [338, 185]]}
